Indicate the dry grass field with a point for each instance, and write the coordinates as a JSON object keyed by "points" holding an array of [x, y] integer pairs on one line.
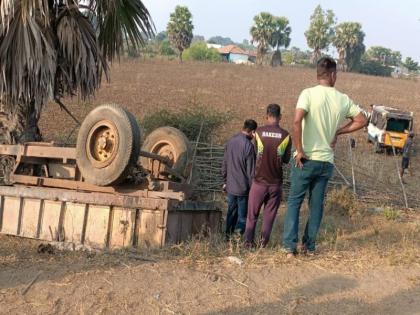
{"points": [[369, 254]]}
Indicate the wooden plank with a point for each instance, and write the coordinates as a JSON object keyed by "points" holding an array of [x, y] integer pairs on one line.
{"points": [[10, 221], [78, 185], [84, 197], [30, 217], [39, 150], [50, 220], [186, 226], [173, 228], [73, 224], [150, 229], [122, 227], [97, 226]]}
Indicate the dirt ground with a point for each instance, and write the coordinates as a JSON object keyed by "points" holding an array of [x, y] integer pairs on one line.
{"points": [[369, 262], [368, 265]]}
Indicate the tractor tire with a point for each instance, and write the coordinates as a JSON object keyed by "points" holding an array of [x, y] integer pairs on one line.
{"points": [[108, 145], [169, 142]]}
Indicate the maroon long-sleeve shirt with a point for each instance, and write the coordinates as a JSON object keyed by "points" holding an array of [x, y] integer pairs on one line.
{"points": [[273, 150]]}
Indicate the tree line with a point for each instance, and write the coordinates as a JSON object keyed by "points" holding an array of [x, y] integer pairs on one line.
{"points": [[271, 37]]}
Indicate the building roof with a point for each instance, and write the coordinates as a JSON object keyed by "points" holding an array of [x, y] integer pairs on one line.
{"points": [[232, 49]]}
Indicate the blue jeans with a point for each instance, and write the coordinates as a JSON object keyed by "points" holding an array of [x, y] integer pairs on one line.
{"points": [[313, 177], [236, 215]]}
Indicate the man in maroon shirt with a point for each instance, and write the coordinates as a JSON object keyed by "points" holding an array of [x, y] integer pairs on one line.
{"points": [[273, 149]]}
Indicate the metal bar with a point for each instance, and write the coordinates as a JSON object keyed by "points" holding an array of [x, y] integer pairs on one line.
{"points": [[84, 197], [41, 151]]}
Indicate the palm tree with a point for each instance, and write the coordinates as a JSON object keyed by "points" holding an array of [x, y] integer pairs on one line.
{"points": [[54, 48], [180, 29], [280, 38], [261, 33], [349, 43]]}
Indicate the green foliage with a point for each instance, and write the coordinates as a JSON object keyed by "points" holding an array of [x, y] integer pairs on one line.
{"points": [[50, 49], [220, 40], [161, 36], [321, 31], [188, 121], [349, 43], [411, 65], [270, 31], [246, 45], [385, 56], [391, 214], [180, 29], [198, 38], [165, 48], [200, 52], [373, 67], [296, 56]]}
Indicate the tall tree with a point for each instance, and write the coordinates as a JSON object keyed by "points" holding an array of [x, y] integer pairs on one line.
{"points": [[348, 41], [50, 49], [321, 31], [280, 38], [261, 33], [384, 55], [180, 29]]}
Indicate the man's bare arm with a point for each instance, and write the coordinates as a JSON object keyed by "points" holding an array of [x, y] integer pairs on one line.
{"points": [[357, 122], [297, 136]]}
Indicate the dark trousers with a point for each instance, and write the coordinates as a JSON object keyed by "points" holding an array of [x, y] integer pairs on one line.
{"points": [[312, 178], [270, 197], [236, 215]]}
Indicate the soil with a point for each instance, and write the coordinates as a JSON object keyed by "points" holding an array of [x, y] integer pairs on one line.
{"points": [[347, 277], [363, 271]]}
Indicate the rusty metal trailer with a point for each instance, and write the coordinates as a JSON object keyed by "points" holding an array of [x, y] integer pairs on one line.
{"points": [[108, 192], [102, 220]]}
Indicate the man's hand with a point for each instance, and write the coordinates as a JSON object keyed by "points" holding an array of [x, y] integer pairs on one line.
{"points": [[224, 188], [300, 155]]}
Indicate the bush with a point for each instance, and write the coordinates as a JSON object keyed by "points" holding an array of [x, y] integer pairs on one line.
{"points": [[373, 67], [199, 51], [188, 121], [165, 48]]}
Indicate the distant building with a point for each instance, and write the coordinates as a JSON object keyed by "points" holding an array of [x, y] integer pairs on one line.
{"points": [[235, 54], [215, 46]]}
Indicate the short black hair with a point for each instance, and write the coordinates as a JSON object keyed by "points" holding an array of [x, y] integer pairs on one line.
{"points": [[250, 125], [274, 110], [325, 66]]}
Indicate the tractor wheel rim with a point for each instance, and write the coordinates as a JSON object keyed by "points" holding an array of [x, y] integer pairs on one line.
{"points": [[102, 144], [165, 149]]}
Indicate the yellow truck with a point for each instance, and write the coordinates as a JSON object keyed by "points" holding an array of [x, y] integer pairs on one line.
{"points": [[389, 127]]}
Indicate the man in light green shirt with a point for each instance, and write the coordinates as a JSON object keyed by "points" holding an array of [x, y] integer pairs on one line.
{"points": [[320, 112]]}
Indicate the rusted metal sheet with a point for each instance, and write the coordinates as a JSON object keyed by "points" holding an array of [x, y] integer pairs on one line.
{"points": [[122, 227], [30, 217], [74, 222], [29, 214], [96, 234]]}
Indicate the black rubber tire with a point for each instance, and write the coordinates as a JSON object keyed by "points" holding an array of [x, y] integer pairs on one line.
{"points": [[126, 153], [179, 142], [137, 137]]}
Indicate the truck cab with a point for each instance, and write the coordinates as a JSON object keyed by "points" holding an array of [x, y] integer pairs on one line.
{"points": [[389, 127]]}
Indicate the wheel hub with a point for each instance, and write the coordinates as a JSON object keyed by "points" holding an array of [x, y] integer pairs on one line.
{"points": [[102, 144]]}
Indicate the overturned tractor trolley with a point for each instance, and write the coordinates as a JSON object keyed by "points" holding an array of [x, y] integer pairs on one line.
{"points": [[110, 191]]}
